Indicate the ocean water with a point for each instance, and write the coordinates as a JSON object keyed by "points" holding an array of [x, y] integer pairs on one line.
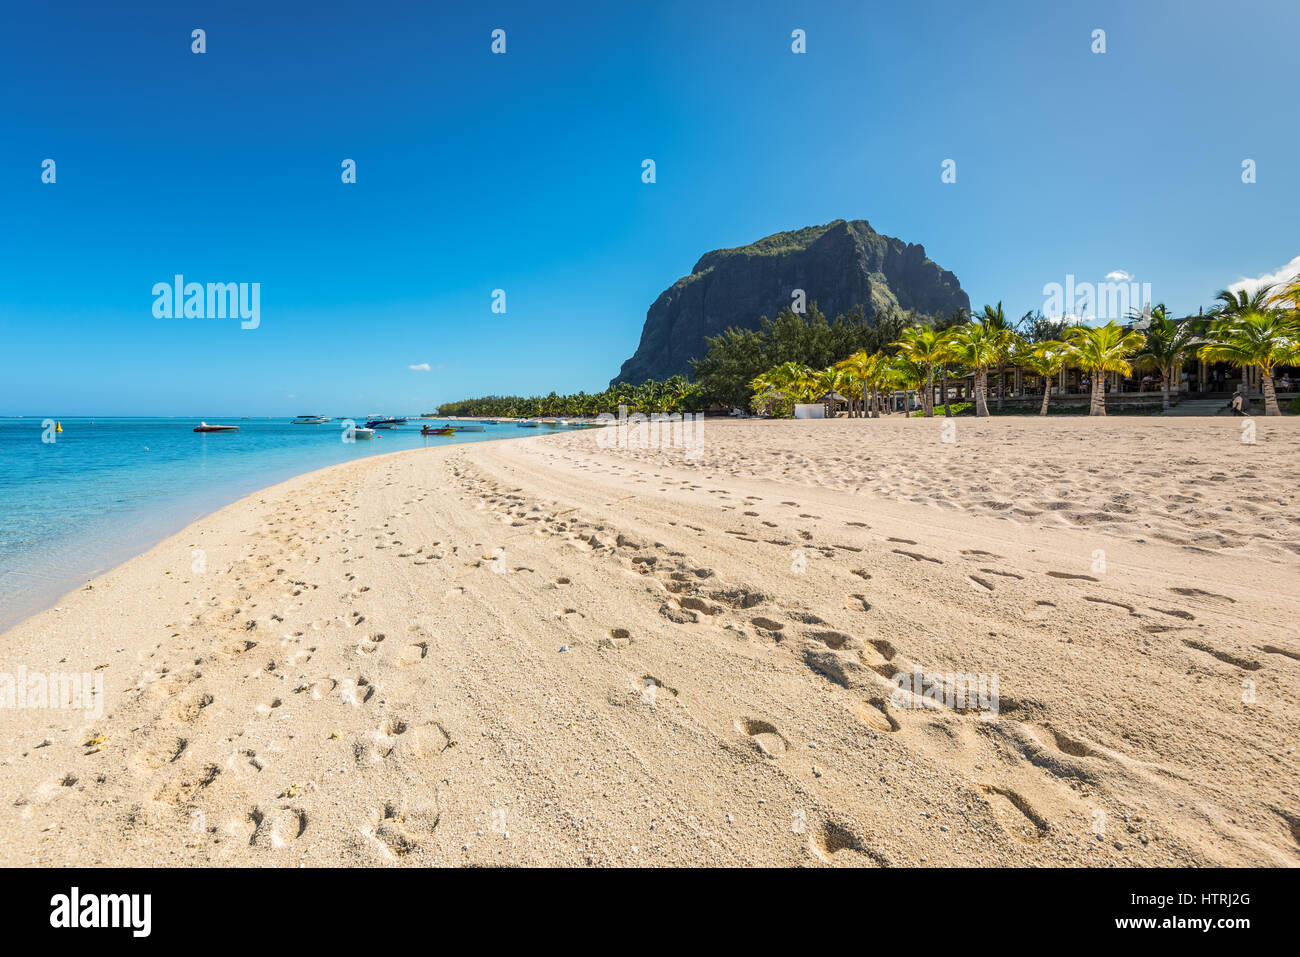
{"points": [[107, 489]]}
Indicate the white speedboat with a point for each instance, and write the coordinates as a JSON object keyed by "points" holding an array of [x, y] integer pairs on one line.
{"points": [[527, 424], [363, 433]]}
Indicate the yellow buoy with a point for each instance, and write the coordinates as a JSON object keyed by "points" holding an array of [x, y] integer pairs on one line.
{"points": [[58, 426]]}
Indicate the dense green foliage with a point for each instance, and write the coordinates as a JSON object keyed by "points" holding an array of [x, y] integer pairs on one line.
{"points": [[737, 356], [674, 395], [799, 358]]}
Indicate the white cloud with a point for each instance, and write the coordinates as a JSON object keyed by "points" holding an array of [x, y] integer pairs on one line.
{"points": [[419, 367], [1285, 274], [1118, 275]]}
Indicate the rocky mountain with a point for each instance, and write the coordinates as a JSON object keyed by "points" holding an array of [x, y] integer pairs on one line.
{"points": [[840, 265]]}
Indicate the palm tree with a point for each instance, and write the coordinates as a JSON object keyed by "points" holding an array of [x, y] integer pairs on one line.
{"points": [[677, 393], [977, 346], [1167, 344], [1233, 304], [928, 349], [790, 380], [1236, 303], [1102, 349], [995, 320], [880, 377], [858, 369], [1046, 359], [1287, 298], [907, 373], [1256, 337]]}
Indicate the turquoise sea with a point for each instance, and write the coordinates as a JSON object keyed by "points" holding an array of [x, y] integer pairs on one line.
{"points": [[107, 489]]}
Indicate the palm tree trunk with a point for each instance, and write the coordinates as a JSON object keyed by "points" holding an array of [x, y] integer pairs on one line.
{"points": [[1098, 404], [947, 412], [1000, 389], [1270, 394], [927, 401], [1164, 388], [981, 392], [1047, 390]]}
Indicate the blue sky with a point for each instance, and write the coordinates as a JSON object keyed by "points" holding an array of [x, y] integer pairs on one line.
{"points": [[523, 172]]}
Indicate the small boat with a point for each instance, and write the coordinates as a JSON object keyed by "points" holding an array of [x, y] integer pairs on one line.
{"points": [[445, 430], [204, 427], [527, 424], [309, 420], [363, 433], [383, 423]]}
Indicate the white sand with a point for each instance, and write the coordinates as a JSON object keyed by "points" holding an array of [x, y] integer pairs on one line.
{"points": [[358, 676]]}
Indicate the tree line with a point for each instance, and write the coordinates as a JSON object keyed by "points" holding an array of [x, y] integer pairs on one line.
{"points": [[802, 357]]}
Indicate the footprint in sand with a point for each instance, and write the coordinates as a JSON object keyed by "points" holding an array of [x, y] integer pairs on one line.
{"points": [[412, 654], [650, 681], [875, 714], [764, 736], [833, 843], [400, 828], [236, 647], [1198, 593], [917, 556], [1113, 604], [1071, 577], [367, 646], [276, 828], [1002, 574], [1038, 610], [619, 637], [1249, 664], [1067, 745], [186, 711], [159, 752], [1016, 816], [803, 617], [185, 785]]}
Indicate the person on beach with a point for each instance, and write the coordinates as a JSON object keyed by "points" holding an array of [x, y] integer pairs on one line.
{"points": [[1237, 402]]}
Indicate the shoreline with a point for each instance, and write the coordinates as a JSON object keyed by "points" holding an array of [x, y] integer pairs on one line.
{"points": [[108, 556], [48, 604], [549, 653]]}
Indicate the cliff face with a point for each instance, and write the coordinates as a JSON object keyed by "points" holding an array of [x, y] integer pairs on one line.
{"points": [[839, 266]]}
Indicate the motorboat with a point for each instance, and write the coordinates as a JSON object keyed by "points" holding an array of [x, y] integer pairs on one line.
{"points": [[204, 427], [527, 424], [444, 430], [309, 420], [363, 433], [383, 423]]}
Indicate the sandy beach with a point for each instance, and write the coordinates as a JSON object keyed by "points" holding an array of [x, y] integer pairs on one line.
{"points": [[538, 651]]}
